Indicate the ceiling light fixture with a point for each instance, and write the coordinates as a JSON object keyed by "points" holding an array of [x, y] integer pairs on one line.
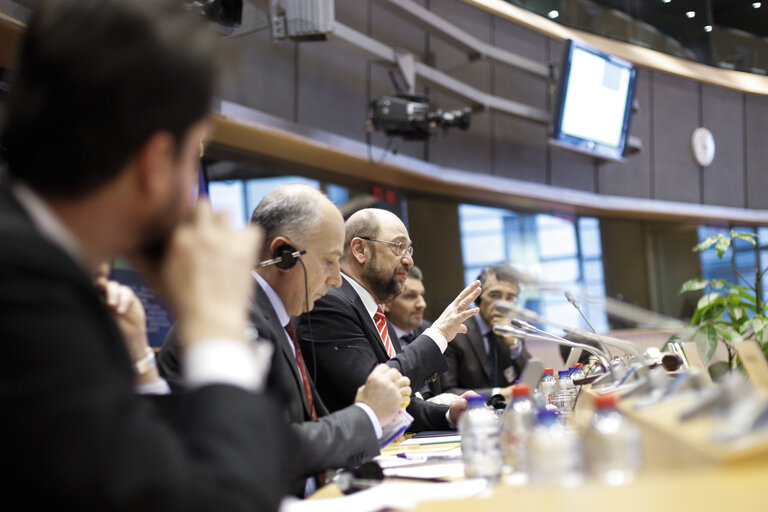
{"points": [[707, 28], [691, 14], [757, 5], [553, 14]]}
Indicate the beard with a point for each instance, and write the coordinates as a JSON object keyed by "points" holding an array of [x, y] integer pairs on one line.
{"points": [[383, 286], [157, 233]]}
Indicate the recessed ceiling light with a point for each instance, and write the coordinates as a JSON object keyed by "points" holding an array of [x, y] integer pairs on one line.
{"points": [[707, 28], [691, 14], [757, 5], [666, 1], [553, 14]]}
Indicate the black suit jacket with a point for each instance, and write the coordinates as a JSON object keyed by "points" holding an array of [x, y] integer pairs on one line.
{"points": [[468, 362], [340, 340], [78, 438], [344, 438], [434, 386]]}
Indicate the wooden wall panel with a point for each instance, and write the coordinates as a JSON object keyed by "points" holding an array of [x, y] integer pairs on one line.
{"points": [[723, 115], [675, 115], [469, 150], [757, 151], [519, 146], [633, 178]]}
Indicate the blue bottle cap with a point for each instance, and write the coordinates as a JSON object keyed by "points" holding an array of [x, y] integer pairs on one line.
{"points": [[563, 373], [475, 401]]}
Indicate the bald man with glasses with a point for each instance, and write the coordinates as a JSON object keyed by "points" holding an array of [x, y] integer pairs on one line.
{"points": [[347, 334]]}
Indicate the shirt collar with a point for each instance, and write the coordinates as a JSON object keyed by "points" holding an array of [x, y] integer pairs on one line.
{"points": [[46, 221], [400, 333], [274, 299], [484, 328], [368, 301]]}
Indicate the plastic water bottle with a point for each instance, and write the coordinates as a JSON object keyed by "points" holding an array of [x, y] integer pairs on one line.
{"points": [[564, 386], [547, 384], [516, 425], [479, 428], [578, 373], [614, 448], [554, 452], [539, 399]]}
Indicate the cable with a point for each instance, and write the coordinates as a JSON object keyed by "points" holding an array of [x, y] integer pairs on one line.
{"points": [[309, 323]]}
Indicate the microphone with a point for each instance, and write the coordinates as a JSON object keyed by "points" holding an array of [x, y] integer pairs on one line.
{"points": [[569, 296], [274, 261], [518, 325]]}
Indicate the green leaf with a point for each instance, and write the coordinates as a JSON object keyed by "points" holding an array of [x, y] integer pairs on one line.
{"points": [[708, 300], [693, 285], [748, 237], [718, 370], [758, 324], [706, 342], [728, 333], [707, 243], [722, 246]]}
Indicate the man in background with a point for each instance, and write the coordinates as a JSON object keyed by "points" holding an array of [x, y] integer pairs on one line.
{"points": [[478, 359], [101, 135], [406, 316]]}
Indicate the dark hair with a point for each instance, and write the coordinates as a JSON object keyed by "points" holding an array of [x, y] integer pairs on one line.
{"points": [[502, 272], [94, 79], [415, 272]]}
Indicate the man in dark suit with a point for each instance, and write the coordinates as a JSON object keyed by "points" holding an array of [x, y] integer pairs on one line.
{"points": [[347, 334], [304, 219], [479, 359], [102, 134], [405, 315]]}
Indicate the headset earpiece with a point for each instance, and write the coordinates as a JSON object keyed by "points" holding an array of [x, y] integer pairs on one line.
{"points": [[285, 253]]}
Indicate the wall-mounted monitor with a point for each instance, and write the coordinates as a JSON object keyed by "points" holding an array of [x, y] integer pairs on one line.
{"points": [[594, 102]]}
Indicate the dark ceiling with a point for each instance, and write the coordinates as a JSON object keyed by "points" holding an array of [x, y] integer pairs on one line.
{"points": [[738, 14]]}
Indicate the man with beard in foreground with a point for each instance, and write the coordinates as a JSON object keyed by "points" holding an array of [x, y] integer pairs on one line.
{"points": [[347, 334], [102, 134]]}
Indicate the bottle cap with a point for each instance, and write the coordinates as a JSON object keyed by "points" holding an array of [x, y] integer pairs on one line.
{"points": [[563, 373], [475, 401], [549, 371], [605, 402], [521, 390], [579, 366], [546, 416]]}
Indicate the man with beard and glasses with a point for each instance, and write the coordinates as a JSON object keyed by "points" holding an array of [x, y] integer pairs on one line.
{"points": [[101, 136], [346, 335]]}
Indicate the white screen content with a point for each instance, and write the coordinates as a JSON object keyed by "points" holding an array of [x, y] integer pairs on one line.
{"points": [[596, 99]]}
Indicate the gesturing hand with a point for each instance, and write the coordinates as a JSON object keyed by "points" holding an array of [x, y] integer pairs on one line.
{"points": [[451, 321]]}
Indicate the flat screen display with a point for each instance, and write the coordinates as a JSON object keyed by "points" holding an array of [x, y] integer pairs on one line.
{"points": [[594, 102]]}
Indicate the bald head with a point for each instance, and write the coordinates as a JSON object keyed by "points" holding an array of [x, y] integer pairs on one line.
{"points": [[368, 223], [293, 211]]}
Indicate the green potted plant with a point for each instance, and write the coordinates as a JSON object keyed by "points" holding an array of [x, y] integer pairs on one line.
{"points": [[727, 312]]}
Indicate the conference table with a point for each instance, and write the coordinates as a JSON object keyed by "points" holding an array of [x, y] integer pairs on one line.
{"points": [[683, 470]]}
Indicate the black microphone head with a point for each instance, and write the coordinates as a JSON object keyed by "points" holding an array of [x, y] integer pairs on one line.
{"points": [[671, 362]]}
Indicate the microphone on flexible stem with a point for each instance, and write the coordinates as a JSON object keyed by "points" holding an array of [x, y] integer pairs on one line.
{"points": [[504, 330], [277, 260], [569, 296]]}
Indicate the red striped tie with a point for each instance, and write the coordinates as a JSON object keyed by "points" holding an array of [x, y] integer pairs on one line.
{"points": [[381, 325], [302, 370]]}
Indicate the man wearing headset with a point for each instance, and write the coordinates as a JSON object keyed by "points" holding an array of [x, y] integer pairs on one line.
{"points": [[304, 236]]}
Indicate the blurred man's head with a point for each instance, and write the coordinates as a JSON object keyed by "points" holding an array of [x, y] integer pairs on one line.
{"points": [[498, 282], [304, 219], [377, 253], [407, 310], [104, 87]]}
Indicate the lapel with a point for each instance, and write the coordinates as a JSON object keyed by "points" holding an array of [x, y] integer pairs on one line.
{"points": [[264, 308], [366, 321], [477, 343]]}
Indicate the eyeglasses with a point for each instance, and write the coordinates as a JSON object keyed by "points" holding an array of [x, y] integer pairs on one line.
{"points": [[402, 250]]}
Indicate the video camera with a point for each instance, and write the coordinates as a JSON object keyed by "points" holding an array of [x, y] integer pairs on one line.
{"points": [[409, 117]]}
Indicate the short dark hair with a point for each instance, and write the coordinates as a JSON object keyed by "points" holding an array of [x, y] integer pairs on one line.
{"points": [[415, 272], [94, 79], [502, 272]]}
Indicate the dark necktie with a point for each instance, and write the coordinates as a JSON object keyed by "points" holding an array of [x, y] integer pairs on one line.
{"points": [[492, 360], [302, 371], [406, 339]]}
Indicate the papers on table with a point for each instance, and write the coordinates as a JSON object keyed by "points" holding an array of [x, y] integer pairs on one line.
{"points": [[422, 441], [389, 495]]}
